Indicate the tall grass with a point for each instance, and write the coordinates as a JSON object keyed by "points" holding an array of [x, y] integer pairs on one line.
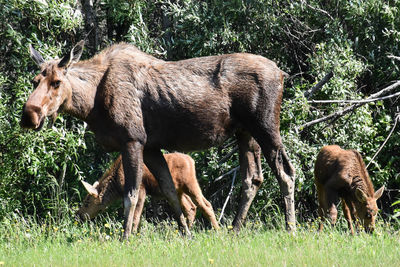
{"points": [[28, 242]]}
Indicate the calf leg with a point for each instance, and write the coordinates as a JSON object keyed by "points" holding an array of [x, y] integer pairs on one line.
{"points": [[139, 209], [157, 165], [132, 158], [193, 190], [188, 208], [322, 207], [328, 200], [205, 207], [332, 200], [347, 214], [251, 174], [354, 215]]}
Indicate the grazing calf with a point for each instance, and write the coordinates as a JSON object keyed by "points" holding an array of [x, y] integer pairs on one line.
{"points": [[110, 188], [342, 174]]}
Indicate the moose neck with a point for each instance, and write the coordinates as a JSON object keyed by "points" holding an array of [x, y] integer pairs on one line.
{"points": [[363, 183], [361, 178], [84, 78], [109, 184]]}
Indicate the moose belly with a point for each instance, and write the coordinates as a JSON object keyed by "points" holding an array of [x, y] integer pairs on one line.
{"points": [[187, 131]]}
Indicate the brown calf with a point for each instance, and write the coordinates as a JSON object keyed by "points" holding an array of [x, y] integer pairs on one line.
{"points": [[137, 104], [342, 174], [110, 188]]}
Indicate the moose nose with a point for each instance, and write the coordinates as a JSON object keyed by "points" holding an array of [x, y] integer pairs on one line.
{"points": [[369, 229], [31, 116], [79, 217], [82, 216]]}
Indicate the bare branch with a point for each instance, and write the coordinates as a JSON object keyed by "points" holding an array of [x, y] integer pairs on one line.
{"points": [[320, 10], [386, 89], [394, 57], [222, 187], [319, 85], [331, 116], [350, 108], [228, 144], [225, 174], [361, 101], [396, 120], [227, 198], [227, 156]]}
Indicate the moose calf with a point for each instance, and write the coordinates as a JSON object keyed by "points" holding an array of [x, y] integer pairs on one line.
{"points": [[110, 188], [342, 174]]}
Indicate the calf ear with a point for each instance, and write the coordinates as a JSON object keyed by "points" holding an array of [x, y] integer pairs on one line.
{"points": [[90, 188], [36, 56], [361, 196], [73, 56], [379, 192]]}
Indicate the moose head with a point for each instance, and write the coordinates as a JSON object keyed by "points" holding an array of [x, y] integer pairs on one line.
{"points": [[366, 208], [52, 88], [93, 202]]}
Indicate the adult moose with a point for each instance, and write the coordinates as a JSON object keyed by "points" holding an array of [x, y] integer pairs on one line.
{"points": [[138, 104], [342, 174]]}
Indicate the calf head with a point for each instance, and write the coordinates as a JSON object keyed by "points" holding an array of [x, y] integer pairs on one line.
{"points": [[93, 202], [367, 208], [52, 88]]}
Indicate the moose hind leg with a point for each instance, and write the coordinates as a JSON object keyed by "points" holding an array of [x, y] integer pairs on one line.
{"points": [[274, 153], [251, 174], [188, 208], [157, 165]]}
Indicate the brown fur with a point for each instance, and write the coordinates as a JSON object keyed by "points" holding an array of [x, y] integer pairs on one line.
{"points": [[342, 174], [137, 104], [110, 189]]}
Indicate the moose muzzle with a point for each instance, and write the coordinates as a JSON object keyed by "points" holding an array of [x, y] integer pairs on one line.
{"points": [[32, 117]]}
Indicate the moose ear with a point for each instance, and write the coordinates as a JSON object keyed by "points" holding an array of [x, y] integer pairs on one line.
{"points": [[379, 192], [36, 56], [73, 56], [361, 196], [90, 188]]}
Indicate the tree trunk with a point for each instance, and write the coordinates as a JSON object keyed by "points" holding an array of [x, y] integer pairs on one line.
{"points": [[89, 12]]}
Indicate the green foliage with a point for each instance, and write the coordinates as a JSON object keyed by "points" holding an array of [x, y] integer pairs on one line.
{"points": [[31, 165]]}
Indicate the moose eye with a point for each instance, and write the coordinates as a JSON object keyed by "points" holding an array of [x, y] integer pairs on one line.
{"points": [[55, 84], [368, 216]]}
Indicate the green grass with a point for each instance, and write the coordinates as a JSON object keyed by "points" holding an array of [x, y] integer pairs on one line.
{"points": [[28, 243]]}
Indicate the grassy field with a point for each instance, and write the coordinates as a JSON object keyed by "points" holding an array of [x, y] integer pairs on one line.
{"points": [[27, 243]]}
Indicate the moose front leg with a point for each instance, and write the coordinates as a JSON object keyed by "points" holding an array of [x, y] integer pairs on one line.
{"points": [[132, 160]]}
